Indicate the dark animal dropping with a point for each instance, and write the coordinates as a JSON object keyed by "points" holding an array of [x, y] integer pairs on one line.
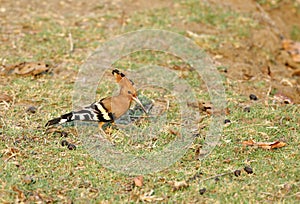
{"points": [[64, 143], [253, 97], [227, 121], [202, 191], [31, 109], [237, 173], [247, 109], [71, 146], [248, 170]]}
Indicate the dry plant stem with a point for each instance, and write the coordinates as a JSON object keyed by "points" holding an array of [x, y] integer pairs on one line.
{"points": [[267, 96], [248, 126], [216, 176], [212, 177], [71, 42], [280, 196]]}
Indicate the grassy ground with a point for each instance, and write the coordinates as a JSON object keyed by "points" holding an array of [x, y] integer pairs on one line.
{"points": [[36, 168]]}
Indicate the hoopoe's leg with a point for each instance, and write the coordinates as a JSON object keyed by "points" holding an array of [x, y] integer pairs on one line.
{"points": [[100, 124]]}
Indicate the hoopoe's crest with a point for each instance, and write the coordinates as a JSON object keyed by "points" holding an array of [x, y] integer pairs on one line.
{"points": [[107, 109], [126, 85]]}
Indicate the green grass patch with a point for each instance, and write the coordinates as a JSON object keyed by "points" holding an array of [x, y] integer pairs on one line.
{"points": [[35, 167]]}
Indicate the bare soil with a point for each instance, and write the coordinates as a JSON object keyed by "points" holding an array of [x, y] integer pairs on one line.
{"points": [[261, 57], [254, 59]]}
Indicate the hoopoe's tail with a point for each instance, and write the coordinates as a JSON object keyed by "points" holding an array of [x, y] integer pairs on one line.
{"points": [[68, 117], [95, 112]]}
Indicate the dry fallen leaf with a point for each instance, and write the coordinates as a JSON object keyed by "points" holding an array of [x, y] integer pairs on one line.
{"points": [[174, 132], [293, 48], [178, 184], [20, 197], [9, 153], [197, 152], [5, 98], [146, 198], [277, 144], [264, 145], [52, 130], [138, 181], [202, 106], [149, 197], [207, 107], [281, 98], [27, 68], [296, 73], [248, 143]]}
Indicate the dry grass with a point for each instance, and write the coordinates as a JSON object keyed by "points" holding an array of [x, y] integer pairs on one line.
{"points": [[36, 168]]}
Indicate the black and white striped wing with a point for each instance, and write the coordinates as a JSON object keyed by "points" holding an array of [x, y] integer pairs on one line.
{"points": [[95, 112]]}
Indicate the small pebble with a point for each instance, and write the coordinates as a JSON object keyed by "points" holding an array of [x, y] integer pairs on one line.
{"points": [[237, 173], [227, 121], [71, 146], [64, 143], [31, 109], [202, 191], [217, 179], [253, 97], [247, 109], [248, 170]]}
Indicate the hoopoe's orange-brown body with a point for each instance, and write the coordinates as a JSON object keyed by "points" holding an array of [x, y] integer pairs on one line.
{"points": [[107, 109]]}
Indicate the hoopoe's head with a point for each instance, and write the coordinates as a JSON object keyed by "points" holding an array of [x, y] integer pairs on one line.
{"points": [[127, 87]]}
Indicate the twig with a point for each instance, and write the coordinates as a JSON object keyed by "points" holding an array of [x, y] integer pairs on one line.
{"points": [[271, 194], [280, 196], [217, 176], [197, 175], [71, 42], [6, 104], [3, 122], [248, 126], [268, 94], [10, 157]]}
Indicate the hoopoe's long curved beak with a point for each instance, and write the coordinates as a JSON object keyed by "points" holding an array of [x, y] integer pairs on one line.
{"points": [[139, 102]]}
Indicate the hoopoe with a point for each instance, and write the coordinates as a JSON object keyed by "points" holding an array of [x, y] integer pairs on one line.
{"points": [[107, 109]]}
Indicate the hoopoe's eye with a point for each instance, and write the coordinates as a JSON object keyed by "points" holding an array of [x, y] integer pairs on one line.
{"points": [[129, 92]]}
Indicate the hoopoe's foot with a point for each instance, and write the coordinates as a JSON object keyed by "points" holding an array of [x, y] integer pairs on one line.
{"points": [[110, 128]]}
